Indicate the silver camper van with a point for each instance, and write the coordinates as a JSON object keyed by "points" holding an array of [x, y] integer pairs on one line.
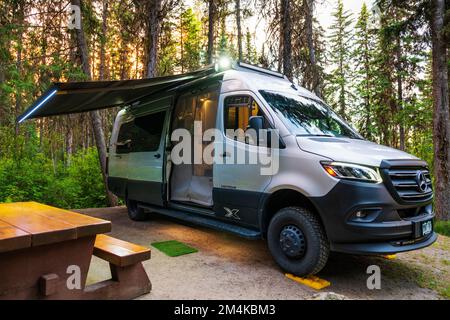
{"points": [[331, 190], [244, 150]]}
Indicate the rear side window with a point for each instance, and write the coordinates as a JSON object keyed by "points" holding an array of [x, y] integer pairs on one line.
{"points": [[141, 135], [123, 144]]}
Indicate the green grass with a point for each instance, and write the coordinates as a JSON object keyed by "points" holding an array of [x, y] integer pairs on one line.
{"points": [[445, 262], [173, 248], [442, 227], [423, 277]]}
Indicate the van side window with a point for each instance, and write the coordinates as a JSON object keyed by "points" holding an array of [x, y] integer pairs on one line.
{"points": [[146, 136], [124, 139], [141, 135], [238, 110]]}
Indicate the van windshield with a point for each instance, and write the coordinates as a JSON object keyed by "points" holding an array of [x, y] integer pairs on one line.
{"points": [[308, 117]]}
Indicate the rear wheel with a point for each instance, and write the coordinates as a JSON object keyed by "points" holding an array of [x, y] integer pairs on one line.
{"points": [[135, 212], [297, 241]]}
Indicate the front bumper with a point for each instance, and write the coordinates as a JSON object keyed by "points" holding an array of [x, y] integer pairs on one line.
{"points": [[389, 227], [383, 247]]}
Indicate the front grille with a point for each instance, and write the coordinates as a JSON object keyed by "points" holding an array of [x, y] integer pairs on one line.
{"points": [[415, 211], [406, 183]]}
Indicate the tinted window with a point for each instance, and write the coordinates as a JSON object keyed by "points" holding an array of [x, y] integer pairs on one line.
{"points": [[238, 110], [141, 135], [123, 144], [307, 117]]}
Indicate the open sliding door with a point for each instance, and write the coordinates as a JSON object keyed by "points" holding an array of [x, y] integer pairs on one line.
{"points": [[193, 182]]}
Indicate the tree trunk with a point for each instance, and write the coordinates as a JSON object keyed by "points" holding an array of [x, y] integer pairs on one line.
{"points": [[441, 117], [211, 22], [398, 53], [18, 97], [96, 122], [181, 43], [69, 140], [286, 32], [20, 21], [102, 68], [239, 28], [367, 98], [314, 74], [154, 31]]}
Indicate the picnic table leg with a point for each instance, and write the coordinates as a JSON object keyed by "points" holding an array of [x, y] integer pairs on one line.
{"points": [[42, 272], [126, 283]]}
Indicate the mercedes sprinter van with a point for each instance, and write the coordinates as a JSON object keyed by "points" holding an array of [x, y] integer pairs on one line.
{"points": [[244, 150], [329, 190]]}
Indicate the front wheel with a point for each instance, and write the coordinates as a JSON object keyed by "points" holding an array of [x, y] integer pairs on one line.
{"points": [[297, 241], [135, 212]]}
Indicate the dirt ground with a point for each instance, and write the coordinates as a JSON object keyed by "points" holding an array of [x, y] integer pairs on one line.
{"points": [[230, 267]]}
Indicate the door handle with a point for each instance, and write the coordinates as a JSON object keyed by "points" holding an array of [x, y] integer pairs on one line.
{"points": [[118, 156], [157, 156], [225, 155]]}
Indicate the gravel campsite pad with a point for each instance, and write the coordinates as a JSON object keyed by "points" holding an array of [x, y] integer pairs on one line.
{"points": [[229, 267]]}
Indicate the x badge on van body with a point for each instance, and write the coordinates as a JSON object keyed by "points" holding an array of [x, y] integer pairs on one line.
{"points": [[232, 213]]}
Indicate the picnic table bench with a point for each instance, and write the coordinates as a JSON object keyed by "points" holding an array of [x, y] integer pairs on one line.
{"points": [[45, 253]]}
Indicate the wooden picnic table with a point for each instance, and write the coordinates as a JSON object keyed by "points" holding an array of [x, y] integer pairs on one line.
{"points": [[41, 246]]}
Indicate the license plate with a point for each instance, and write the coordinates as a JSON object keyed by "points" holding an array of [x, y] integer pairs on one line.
{"points": [[427, 227]]}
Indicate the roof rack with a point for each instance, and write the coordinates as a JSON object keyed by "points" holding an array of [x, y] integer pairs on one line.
{"points": [[260, 69]]}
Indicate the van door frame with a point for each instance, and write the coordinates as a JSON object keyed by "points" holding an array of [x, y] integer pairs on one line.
{"points": [[167, 176], [118, 162], [145, 192]]}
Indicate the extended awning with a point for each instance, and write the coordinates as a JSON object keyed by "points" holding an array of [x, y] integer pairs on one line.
{"points": [[76, 97]]}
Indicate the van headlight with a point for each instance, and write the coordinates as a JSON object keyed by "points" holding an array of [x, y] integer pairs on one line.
{"points": [[352, 171]]}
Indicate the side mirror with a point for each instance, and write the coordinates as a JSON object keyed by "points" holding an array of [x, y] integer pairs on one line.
{"points": [[256, 123]]}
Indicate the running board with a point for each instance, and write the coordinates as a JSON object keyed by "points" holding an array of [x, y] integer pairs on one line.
{"points": [[205, 222]]}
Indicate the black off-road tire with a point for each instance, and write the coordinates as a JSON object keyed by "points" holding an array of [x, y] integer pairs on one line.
{"points": [[316, 247], [135, 212]]}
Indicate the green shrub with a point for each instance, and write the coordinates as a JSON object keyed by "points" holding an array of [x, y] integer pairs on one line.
{"points": [[35, 177], [442, 227]]}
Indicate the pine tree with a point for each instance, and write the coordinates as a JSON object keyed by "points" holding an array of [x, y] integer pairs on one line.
{"points": [[239, 29], [312, 74], [286, 37], [363, 59], [191, 41], [167, 60], [339, 56], [212, 19], [251, 55]]}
